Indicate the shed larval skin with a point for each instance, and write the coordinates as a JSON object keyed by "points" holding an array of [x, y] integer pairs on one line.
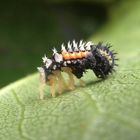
{"points": [[75, 58]]}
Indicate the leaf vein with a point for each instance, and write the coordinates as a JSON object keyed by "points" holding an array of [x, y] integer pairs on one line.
{"points": [[22, 106]]}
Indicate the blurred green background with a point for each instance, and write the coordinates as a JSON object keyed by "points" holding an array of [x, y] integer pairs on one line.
{"points": [[29, 29]]}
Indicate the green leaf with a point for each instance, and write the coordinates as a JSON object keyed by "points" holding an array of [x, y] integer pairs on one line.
{"points": [[102, 110]]}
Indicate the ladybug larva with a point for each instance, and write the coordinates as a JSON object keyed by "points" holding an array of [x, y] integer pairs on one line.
{"points": [[74, 59]]}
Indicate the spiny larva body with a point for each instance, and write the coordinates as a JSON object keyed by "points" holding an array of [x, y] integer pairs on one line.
{"points": [[74, 59]]}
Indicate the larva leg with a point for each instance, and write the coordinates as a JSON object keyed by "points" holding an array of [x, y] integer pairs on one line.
{"points": [[82, 83], [42, 82], [61, 82], [41, 90], [71, 81], [52, 83]]}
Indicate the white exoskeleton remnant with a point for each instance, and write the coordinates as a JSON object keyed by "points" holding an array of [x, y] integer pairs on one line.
{"points": [[75, 59]]}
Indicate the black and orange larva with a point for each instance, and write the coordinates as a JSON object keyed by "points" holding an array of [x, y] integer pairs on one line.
{"points": [[75, 59]]}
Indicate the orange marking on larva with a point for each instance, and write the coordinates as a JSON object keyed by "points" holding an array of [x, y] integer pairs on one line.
{"points": [[84, 54], [66, 56], [73, 55], [78, 55]]}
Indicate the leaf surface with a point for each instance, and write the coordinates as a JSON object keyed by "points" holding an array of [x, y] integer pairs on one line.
{"points": [[102, 110]]}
